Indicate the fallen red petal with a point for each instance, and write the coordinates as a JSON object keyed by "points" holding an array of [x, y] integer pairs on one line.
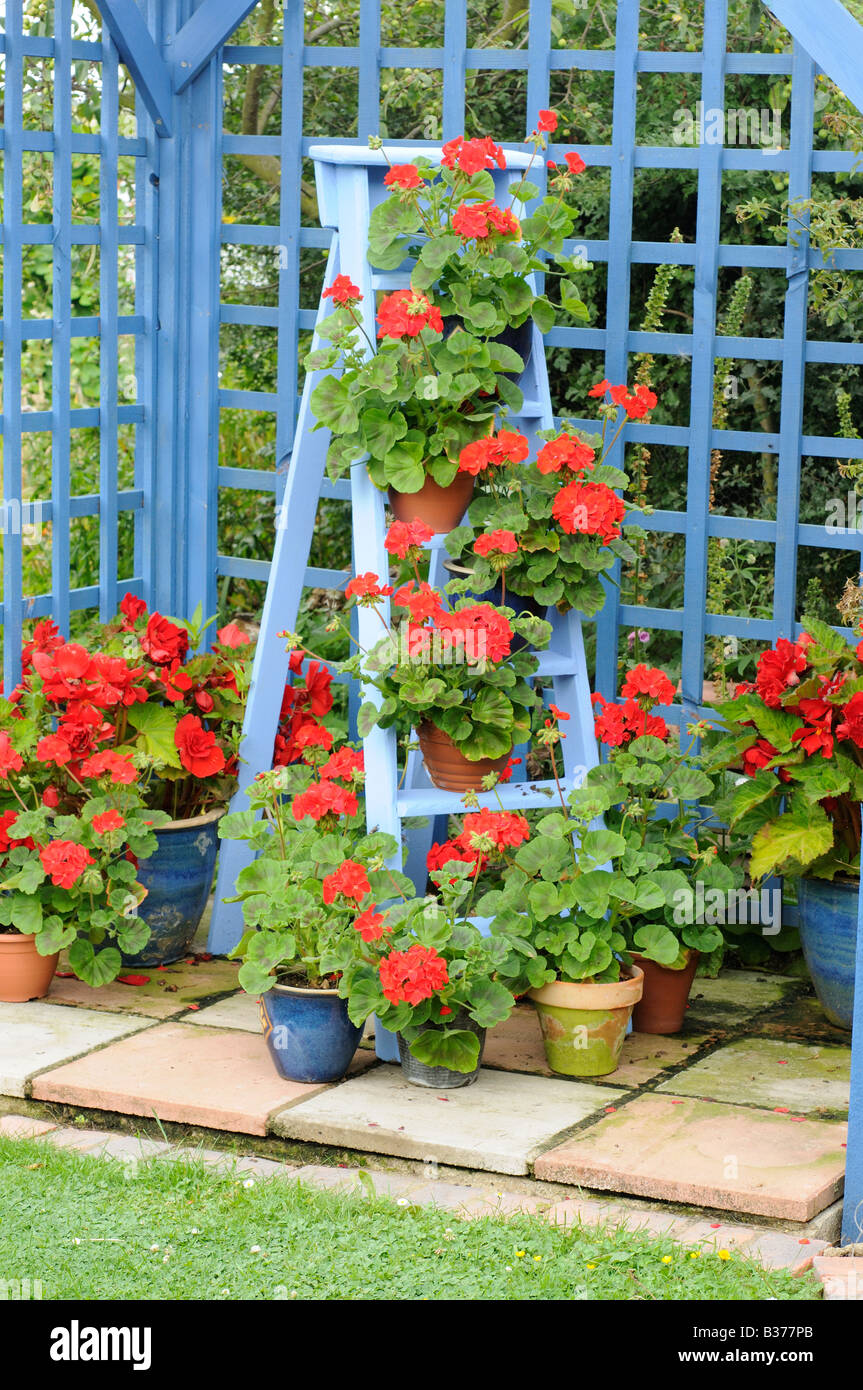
{"points": [[133, 979]]}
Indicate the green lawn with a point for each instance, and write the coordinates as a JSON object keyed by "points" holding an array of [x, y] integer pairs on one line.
{"points": [[91, 1228]]}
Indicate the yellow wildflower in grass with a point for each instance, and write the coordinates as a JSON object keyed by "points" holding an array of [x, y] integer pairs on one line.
{"points": [[591, 1266], [724, 1254], [666, 1259], [695, 1254], [519, 1254]]}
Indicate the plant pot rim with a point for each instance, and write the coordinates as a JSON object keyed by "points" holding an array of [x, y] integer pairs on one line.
{"points": [[192, 822], [690, 952], [590, 994], [302, 990], [9, 938]]}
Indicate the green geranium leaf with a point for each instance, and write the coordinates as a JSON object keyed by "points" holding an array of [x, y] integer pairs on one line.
{"points": [[455, 1048]]}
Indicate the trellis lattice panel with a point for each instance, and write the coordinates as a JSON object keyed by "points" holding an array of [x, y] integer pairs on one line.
{"points": [[76, 420], [540, 60]]}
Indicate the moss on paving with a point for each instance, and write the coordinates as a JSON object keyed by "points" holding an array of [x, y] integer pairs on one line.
{"points": [[93, 1228]]}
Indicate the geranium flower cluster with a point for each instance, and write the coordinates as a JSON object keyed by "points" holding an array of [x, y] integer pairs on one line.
{"points": [[637, 403], [471, 156], [619, 723], [589, 509], [93, 694], [306, 700], [475, 633], [481, 221], [484, 835], [412, 975], [405, 313], [493, 451]]}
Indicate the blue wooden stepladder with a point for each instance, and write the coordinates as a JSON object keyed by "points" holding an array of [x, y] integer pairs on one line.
{"points": [[350, 184]]}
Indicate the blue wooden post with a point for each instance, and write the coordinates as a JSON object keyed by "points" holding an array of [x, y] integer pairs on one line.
{"points": [[852, 1210]]}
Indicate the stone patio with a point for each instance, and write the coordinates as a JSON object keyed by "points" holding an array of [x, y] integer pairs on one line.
{"points": [[743, 1112]]}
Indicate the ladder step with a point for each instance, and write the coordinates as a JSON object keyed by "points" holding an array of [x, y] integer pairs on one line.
{"points": [[514, 796]]}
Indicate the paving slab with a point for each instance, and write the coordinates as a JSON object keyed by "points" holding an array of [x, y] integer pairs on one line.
{"points": [[841, 1276], [516, 1045], [24, 1127], [234, 1011], [800, 1018], [167, 993], [707, 1154], [735, 997], [201, 1076], [39, 1035], [770, 1073], [497, 1124]]}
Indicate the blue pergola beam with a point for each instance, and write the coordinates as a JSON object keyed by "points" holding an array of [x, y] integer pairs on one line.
{"points": [[128, 29], [831, 35], [206, 31]]}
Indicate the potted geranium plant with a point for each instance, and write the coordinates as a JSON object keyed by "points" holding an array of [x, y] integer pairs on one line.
{"points": [[143, 689], [304, 903], [442, 370], [798, 728], [545, 533], [72, 832], [650, 791], [452, 675], [428, 971]]}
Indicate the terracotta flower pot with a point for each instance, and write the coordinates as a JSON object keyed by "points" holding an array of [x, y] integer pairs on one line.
{"points": [[584, 1025], [440, 507], [448, 768], [663, 1001], [24, 974]]}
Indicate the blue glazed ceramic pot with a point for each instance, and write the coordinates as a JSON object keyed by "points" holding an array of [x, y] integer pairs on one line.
{"points": [[308, 1032], [178, 879], [828, 935]]}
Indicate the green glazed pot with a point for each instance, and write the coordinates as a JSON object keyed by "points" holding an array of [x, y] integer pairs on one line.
{"points": [[584, 1025]]}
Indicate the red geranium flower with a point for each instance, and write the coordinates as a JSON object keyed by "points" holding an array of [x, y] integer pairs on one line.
{"points": [[108, 821], [591, 509], [346, 763], [348, 881], [648, 685], [371, 925], [64, 861], [132, 609], [322, 799], [199, 752], [619, 724], [412, 975], [493, 830], [342, 290], [405, 536], [470, 156], [637, 403], [122, 769], [497, 542], [406, 313], [547, 121], [52, 749], [470, 221], [574, 163], [10, 761], [314, 736], [404, 176], [367, 588], [565, 452]]}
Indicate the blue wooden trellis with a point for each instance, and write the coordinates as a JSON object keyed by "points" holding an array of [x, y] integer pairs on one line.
{"points": [[175, 50]]}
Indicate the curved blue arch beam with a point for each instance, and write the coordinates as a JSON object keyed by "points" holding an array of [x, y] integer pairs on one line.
{"points": [[127, 27], [831, 35]]}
